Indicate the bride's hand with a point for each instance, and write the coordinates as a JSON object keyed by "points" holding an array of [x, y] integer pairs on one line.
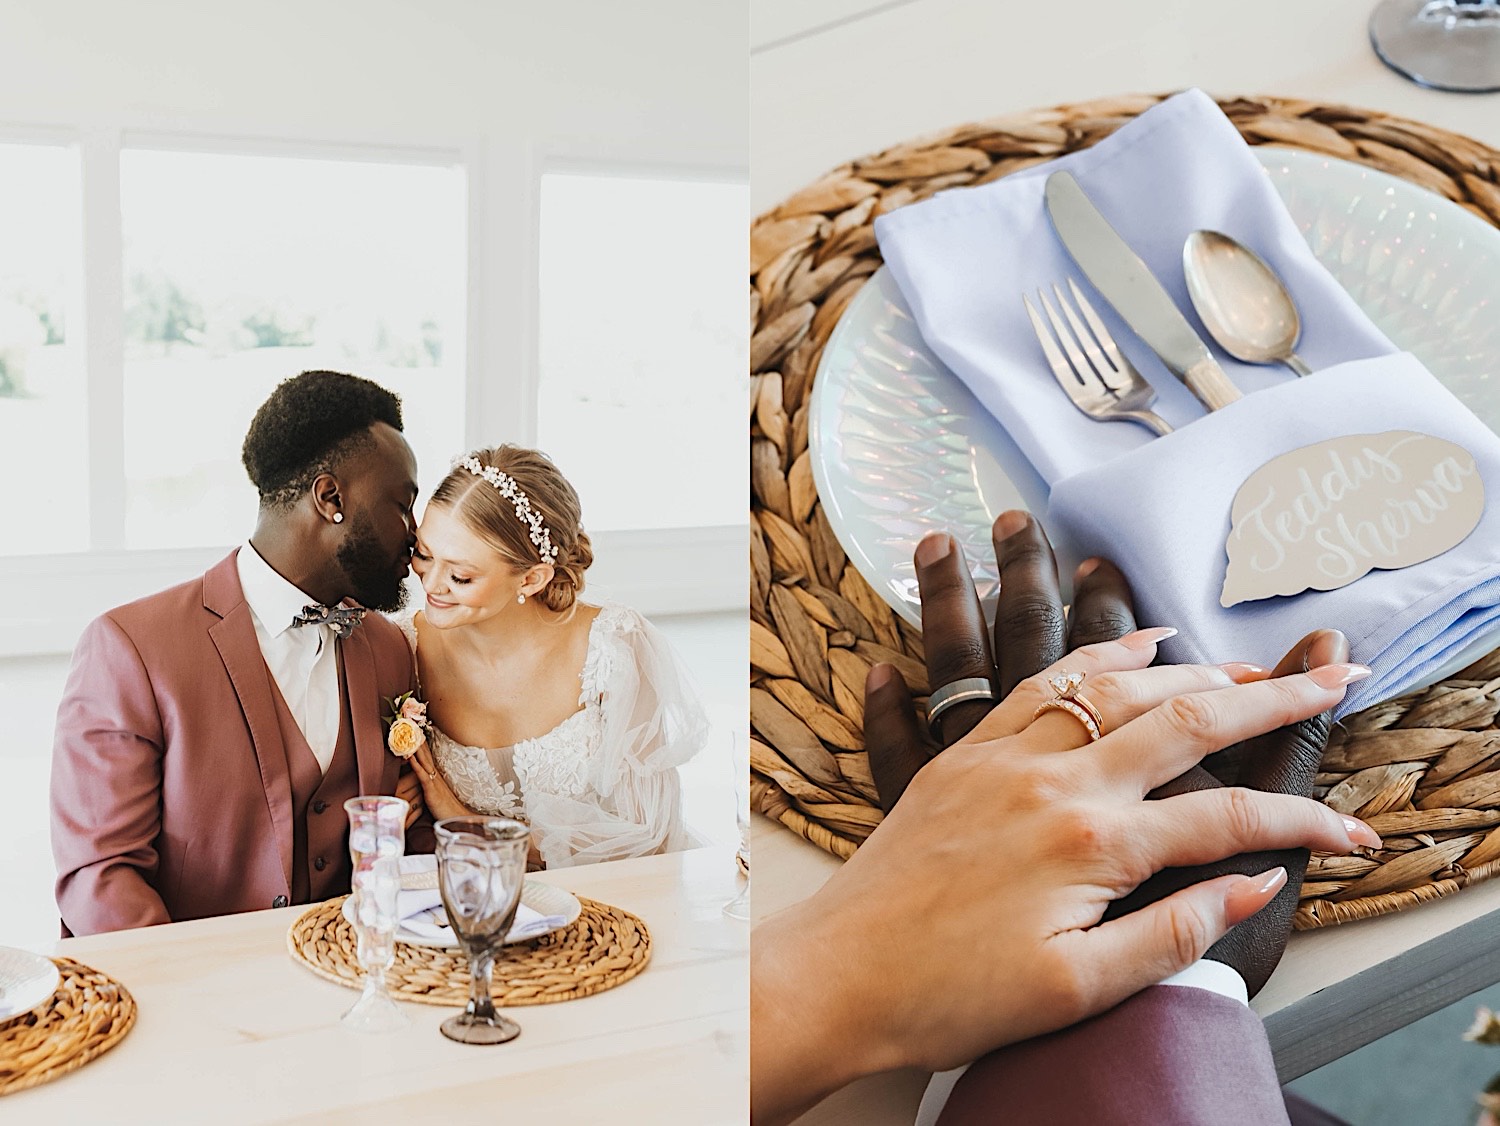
{"points": [[409, 790], [438, 796]]}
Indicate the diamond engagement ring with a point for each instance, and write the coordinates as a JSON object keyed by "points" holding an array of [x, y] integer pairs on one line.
{"points": [[957, 692], [1068, 699]]}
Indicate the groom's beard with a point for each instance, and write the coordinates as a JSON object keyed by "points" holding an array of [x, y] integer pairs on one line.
{"points": [[374, 581]]}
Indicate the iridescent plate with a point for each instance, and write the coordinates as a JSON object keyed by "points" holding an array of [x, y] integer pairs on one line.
{"points": [[900, 447], [27, 981]]}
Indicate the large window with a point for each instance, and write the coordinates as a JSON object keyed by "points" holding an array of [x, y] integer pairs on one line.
{"points": [[240, 271], [44, 454], [156, 285], [643, 346]]}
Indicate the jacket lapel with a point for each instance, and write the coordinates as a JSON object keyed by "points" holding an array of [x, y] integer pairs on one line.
{"points": [[365, 711], [234, 637]]}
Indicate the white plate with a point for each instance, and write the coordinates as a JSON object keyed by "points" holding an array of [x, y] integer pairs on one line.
{"points": [[27, 981], [544, 899], [900, 447]]}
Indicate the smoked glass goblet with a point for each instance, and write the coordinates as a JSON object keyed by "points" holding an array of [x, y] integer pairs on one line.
{"points": [[377, 838], [481, 870]]}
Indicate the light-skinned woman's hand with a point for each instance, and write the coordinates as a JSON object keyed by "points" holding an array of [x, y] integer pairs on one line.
{"points": [[439, 797], [409, 790], [970, 918]]}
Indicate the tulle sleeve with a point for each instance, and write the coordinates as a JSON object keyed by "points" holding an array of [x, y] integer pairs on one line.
{"points": [[652, 724]]}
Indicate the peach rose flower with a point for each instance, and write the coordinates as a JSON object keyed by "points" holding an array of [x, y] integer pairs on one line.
{"points": [[414, 709], [405, 737]]}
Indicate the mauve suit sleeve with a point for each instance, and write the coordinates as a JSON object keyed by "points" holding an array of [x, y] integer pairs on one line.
{"points": [[1169, 1056], [106, 787]]}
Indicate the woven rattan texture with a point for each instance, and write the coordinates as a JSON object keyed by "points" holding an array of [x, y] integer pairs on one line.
{"points": [[1424, 769], [604, 947], [88, 1015]]}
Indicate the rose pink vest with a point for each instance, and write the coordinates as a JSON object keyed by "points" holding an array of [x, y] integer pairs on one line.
{"points": [[320, 827]]}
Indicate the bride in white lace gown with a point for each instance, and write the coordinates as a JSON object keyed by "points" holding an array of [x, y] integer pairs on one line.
{"points": [[572, 717]]}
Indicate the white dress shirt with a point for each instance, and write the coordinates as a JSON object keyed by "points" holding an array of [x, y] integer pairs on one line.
{"points": [[303, 660]]}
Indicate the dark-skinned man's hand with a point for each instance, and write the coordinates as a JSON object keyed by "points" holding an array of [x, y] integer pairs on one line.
{"points": [[1031, 632]]}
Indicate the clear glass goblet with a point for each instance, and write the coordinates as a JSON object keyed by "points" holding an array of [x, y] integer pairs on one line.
{"points": [[1445, 44], [377, 838], [739, 761], [481, 870]]}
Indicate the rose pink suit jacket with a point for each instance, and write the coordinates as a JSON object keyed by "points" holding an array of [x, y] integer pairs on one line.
{"points": [[171, 798], [1169, 1056]]}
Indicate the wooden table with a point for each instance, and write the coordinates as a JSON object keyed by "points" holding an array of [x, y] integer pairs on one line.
{"points": [[232, 1030], [1336, 989]]}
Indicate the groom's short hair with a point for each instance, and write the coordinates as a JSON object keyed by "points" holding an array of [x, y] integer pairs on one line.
{"points": [[310, 424]]}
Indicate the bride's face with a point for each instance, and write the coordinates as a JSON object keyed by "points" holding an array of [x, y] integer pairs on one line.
{"points": [[466, 580]]}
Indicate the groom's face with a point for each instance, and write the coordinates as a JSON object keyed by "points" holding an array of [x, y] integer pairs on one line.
{"points": [[375, 552]]}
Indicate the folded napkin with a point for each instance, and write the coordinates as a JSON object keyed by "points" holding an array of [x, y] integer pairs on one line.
{"points": [[1162, 513], [421, 910], [1160, 507], [963, 258]]}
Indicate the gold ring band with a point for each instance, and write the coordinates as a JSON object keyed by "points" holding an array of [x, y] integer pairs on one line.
{"points": [[1084, 712]]}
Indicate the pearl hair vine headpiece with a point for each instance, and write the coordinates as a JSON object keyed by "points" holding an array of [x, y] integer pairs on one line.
{"points": [[506, 484]]}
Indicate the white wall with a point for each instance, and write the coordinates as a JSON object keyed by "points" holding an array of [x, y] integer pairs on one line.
{"points": [[513, 88]]}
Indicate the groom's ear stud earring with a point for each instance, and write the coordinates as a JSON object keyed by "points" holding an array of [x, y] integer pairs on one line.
{"points": [[338, 517]]}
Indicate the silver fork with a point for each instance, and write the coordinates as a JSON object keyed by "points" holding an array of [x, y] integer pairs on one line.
{"points": [[1102, 383]]}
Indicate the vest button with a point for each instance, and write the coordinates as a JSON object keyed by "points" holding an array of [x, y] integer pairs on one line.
{"points": [[279, 901], [319, 806], [320, 864]]}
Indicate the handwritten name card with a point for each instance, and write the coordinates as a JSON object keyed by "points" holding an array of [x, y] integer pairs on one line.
{"points": [[1324, 515]]}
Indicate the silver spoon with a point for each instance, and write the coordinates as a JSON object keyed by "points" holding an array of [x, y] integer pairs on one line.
{"points": [[1241, 301]]}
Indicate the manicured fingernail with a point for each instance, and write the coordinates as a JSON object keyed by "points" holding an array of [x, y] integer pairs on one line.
{"points": [[1360, 834], [879, 677], [1335, 647], [1242, 671], [1336, 676], [1085, 569], [1009, 523], [1145, 638], [934, 546], [1250, 893]]}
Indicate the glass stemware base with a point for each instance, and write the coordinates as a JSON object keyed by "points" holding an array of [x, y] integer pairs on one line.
{"points": [[1444, 44], [469, 1028], [375, 1011]]}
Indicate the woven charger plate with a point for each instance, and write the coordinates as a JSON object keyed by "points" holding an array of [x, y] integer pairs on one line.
{"points": [[604, 947], [1423, 769], [88, 1015]]}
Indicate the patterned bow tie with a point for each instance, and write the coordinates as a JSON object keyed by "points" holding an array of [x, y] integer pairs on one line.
{"points": [[340, 619]]}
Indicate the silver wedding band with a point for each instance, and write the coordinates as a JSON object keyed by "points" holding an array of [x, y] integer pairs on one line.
{"points": [[955, 693]]}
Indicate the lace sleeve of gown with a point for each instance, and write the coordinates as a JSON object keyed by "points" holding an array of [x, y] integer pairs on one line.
{"points": [[405, 620], [653, 723]]}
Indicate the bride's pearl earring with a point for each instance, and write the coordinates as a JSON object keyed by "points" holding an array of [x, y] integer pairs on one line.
{"points": [[521, 597]]}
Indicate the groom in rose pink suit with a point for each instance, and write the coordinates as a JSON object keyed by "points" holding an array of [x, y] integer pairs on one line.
{"points": [[210, 734]]}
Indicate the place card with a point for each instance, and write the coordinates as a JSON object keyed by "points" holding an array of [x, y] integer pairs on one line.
{"points": [[1324, 515]]}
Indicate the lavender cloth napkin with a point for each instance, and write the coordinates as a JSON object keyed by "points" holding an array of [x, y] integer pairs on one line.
{"points": [[963, 258]]}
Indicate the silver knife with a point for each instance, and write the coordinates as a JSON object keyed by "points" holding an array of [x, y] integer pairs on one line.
{"points": [[1119, 274]]}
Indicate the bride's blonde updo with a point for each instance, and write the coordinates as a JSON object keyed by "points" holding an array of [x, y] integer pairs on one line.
{"points": [[491, 515]]}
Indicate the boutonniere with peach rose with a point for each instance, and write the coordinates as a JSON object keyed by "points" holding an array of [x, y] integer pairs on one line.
{"points": [[406, 726]]}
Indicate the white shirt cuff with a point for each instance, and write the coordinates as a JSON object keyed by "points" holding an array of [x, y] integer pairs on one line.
{"points": [[1216, 977]]}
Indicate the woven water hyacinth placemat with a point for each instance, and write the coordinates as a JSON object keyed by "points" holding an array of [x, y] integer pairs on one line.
{"points": [[602, 948], [1423, 769], [88, 1015]]}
